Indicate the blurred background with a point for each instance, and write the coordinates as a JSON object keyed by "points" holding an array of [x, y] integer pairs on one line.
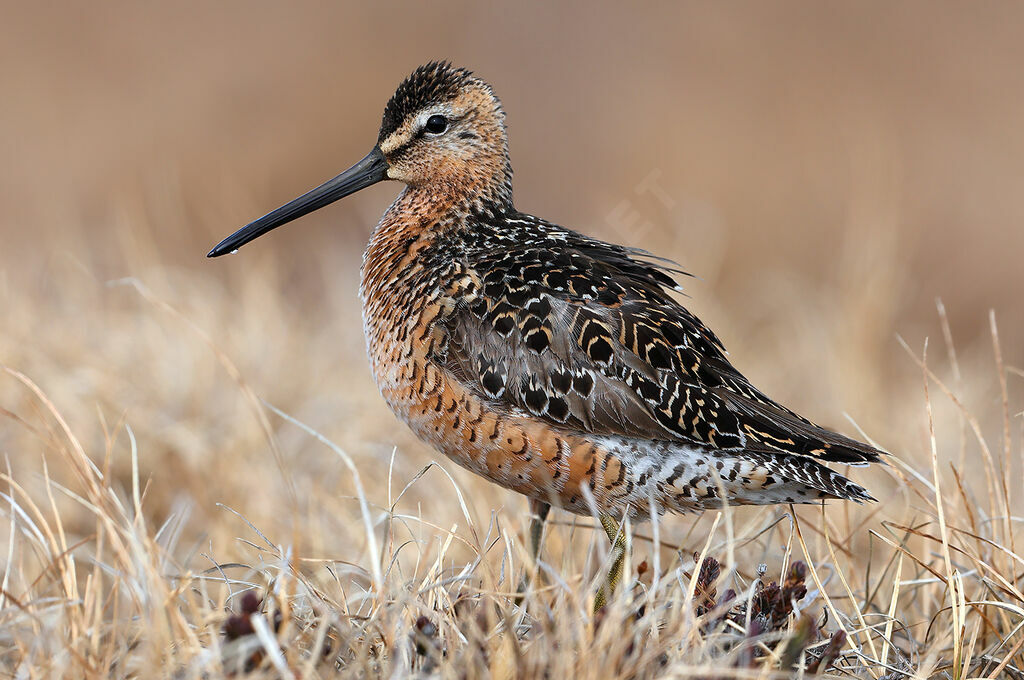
{"points": [[828, 170]]}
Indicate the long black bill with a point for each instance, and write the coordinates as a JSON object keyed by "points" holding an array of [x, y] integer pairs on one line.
{"points": [[370, 170]]}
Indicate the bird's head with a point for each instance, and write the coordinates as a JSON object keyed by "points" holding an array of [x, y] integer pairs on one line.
{"points": [[444, 127], [443, 133]]}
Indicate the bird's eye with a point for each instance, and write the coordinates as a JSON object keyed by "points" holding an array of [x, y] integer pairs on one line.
{"points": [[436, 125]]}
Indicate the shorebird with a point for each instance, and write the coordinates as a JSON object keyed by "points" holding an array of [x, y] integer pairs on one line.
{"points": [[549, 362]]}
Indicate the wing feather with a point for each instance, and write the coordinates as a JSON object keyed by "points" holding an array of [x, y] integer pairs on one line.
{"points": [[585, 334]]}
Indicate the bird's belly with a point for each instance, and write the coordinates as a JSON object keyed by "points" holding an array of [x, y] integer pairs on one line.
{"points": [[442, 413], [578, 473], [514, 451]]}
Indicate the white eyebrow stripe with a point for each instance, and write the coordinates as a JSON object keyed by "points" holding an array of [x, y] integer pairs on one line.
{"points": [[425, 114], [411, 126]]}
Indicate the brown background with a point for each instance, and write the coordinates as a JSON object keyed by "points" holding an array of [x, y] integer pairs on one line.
{"points": [[791, 130]]}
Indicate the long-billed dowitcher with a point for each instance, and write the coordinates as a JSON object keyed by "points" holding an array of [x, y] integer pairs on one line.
{"points": [[554, 364]]}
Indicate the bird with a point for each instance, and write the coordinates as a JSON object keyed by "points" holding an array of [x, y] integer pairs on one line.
{"points": [[551, 363]]}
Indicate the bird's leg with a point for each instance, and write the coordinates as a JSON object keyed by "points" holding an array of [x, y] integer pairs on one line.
{"points": [[538, 514], [617, 535]]}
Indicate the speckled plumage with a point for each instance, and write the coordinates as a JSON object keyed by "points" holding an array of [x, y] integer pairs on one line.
{"points": [[554, 364], [542, 360], [545, 360]]}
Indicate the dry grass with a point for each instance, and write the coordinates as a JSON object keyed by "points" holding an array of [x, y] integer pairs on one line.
{"points": [[163, 518]]}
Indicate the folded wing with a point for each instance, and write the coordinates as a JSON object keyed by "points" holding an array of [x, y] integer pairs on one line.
{"points": [[586, 335]]}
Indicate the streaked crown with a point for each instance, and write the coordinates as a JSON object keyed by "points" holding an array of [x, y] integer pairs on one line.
{"points": [[429, 85]]}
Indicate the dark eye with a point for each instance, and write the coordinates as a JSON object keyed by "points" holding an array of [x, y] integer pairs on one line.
{"points": [[436, 125]]}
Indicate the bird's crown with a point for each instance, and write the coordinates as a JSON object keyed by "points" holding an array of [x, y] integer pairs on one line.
{"points": [[431, 84]]}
